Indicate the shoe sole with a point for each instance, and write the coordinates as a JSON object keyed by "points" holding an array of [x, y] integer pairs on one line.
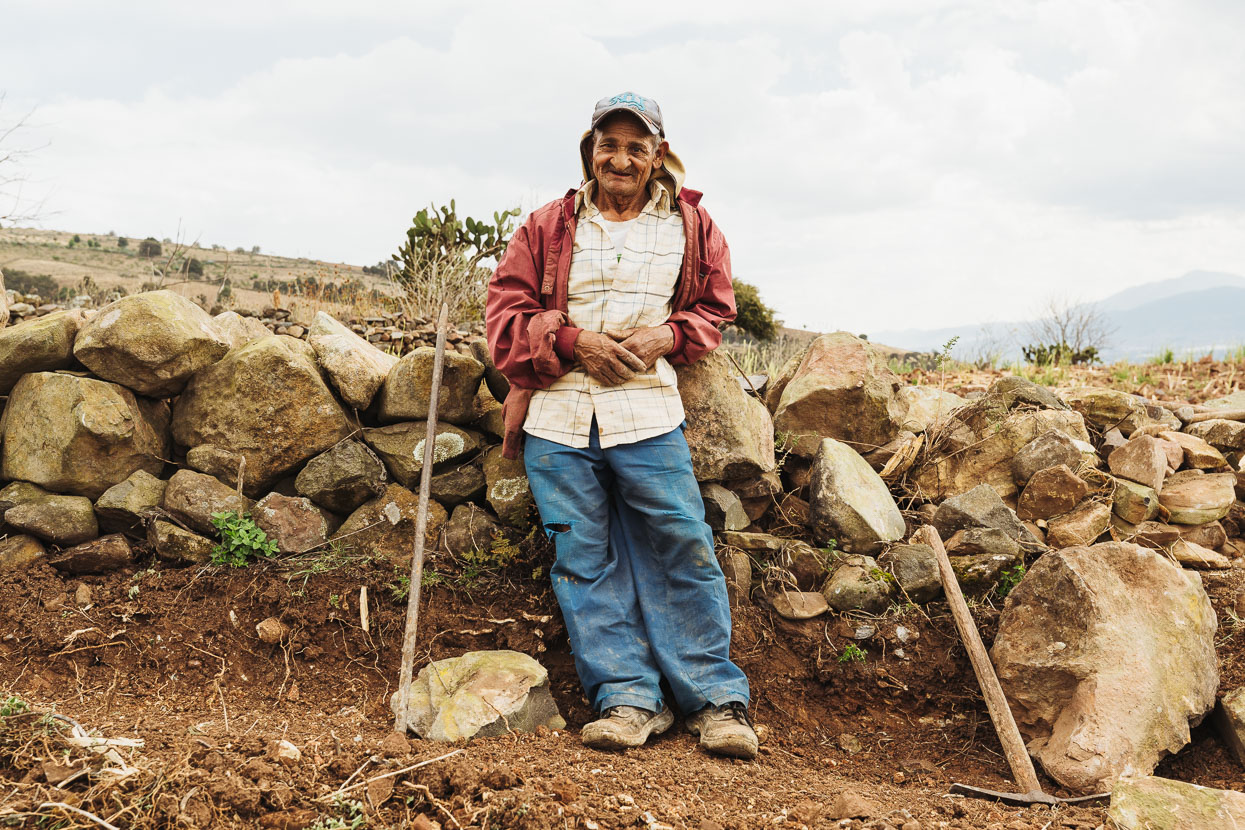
{"points": [[656, 726]]}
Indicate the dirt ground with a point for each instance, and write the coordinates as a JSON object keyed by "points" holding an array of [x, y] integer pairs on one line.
{"points": [[171, 657]]}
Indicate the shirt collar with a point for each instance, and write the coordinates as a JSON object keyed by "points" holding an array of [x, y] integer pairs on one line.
{"points": [[659, 199]]}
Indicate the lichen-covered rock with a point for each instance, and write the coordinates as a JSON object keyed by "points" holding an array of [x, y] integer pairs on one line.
{"points": [[730, 433], [193, 497], [61, 520], [405, 393], [915, 568], [122, 507], [150, 342], [508, 491], [841, 388], [480, 694], [266, 401], [177, 545], [356, 367], [1193, 498], [42, 344], [343, 478], [402, 447], [1151, 803], [81, 435], [18, 552], [858, 584], [1106, 654], [849, 502], [237, 330], [385, 526], [1107, 408], [294, 524], [107, 553]]}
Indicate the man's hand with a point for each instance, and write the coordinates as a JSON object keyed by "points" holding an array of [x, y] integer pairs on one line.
{"points": [[606, 360], [648, 344]]}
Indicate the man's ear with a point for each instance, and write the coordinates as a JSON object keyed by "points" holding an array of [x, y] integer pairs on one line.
{"points": [[662, 149]]}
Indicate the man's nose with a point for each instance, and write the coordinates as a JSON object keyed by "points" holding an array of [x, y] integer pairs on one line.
{"points": [[620, 161]]}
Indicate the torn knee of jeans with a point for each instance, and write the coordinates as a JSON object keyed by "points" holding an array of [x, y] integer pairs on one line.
{"points": [[556, 527]]}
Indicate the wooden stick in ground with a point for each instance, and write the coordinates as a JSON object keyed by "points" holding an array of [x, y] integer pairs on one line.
{"points": [[421, 525], [1000, 713]]}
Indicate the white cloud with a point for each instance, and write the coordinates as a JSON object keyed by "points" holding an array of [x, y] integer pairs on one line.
{"points": [[874, 165]]}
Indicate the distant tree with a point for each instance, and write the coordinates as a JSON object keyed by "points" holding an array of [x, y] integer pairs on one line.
{"points": [[122, 242], [194, 267], [15, 207], [150, 248], [76, 239], [1067, 332], [753, 316], [254, 249]]}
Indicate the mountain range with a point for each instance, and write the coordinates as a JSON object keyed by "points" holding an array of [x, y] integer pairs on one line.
{"points": [[1200, 312]]}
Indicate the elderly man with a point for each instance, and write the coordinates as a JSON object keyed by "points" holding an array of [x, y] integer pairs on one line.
{"points": [[598, 293]]}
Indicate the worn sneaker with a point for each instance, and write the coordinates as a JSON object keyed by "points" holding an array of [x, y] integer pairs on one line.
{"points": [[725, 730], [625, 726]]}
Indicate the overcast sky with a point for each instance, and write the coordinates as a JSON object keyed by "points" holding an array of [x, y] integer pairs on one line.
{"points": [[896, 163]]}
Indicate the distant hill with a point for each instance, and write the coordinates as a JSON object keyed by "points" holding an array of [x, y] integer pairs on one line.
{"points": [[1199, 312]]}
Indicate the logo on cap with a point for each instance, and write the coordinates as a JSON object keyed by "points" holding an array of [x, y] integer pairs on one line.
{"points": [[629, 99]]}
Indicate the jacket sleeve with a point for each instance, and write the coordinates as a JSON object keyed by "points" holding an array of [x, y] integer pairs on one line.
{"points": [[521, 331], [697, 328]]}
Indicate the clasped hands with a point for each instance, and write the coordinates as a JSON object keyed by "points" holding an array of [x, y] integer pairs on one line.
{"points": [[615, 357]]}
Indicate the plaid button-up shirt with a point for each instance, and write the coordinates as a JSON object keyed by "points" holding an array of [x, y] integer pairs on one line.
{"points": [[607, 291]]}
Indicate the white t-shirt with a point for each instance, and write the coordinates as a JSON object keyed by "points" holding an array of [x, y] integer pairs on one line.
{"points": [[618, 231]]}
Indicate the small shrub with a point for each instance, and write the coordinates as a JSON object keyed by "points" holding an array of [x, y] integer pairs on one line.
{"points": [[752, 315], [13, 705], [122, 242], [150, 248], [76, 240], [1010, 579], [241, 540], [25, 283], [194, 267]]}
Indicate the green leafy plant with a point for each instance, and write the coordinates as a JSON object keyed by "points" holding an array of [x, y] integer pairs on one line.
{"points": [[944, 357], [1010, 579], [853, 654], [241, 540], [349, 815], [13, 705], [752, 315]]}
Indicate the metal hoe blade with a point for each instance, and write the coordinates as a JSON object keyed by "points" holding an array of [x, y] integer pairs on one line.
{"points": [[1035, 797]]}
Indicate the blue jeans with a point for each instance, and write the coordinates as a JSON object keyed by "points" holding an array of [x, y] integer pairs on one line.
{"points": [[636, 577]]}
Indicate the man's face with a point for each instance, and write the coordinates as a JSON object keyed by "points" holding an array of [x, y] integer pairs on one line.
{"points": [[624, 156]]}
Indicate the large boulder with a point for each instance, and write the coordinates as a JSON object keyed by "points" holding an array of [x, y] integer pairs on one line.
{"points": [[1048, 450], [61, 520], [150, 342], [342, 478], [849, 502], [81, 435], [405, 393], [1050, 492], [402, 447], [978, 444], [979, 507], [1081, 526], [841, 388], [480, 694], [356, 367], [1106, 654], [385, 526], [1151, 803], [729, 432], [193, 497], [1107, 408], [42, 344], [266, 401], [1141, 460], [123, 507], [470, 529]]}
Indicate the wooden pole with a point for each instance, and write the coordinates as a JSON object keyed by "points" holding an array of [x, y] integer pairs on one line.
{"points": [[421, 525], [1000, 713]]}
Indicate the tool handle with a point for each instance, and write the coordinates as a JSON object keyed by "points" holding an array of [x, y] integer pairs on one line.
{"points": [[1000, 713], [421, 525]]}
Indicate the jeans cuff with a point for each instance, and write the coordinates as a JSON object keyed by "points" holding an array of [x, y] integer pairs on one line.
{"points": [[648, 704], [721, 696]]}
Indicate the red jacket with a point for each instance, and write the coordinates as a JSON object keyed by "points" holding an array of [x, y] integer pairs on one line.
{"points": [[529, 335]]}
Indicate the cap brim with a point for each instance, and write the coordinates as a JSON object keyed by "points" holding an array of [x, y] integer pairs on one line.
{"points": [[599, 117]]}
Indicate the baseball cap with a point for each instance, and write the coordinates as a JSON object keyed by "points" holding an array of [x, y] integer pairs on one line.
{"points": [[645, 108]]}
